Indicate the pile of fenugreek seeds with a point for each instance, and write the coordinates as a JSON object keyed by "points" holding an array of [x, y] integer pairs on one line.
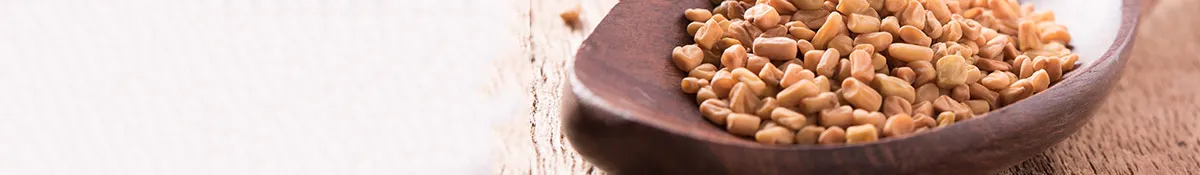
{"points": [[853, 71]]}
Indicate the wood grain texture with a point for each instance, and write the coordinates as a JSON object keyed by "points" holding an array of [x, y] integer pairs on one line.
{"points": [[1145, 127]]}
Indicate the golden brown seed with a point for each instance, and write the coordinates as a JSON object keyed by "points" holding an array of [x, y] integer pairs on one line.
{"points": [[754, 63], [880, 63], [924, 70], [725, 43], [913, 15], [802, 32], [731, 9], [951, 71], [945, 103], [808, 135], [777, 136], [692, 85], [861, 134], [898, 125], [895, 105], [923, 108], [803, 46], [1068, 62], [1028, 37], [783, 6], [1054, 69], [915, 36], [843, 69], [704, 71], [922, 120], [933, 28], [862, 23], [693, 27], [842, 116], [778, 31], [762, 16], [698, 15], [960, 93], [788, 118], [909, 52], [860, 95], [891, 86], [734, 57], [879, 40], [770, 74], [708, 35], [980, 92], [822, 83], [1055, 34], [814, 19], [939, 9], [979, 106], [794, 74], [715, 110], [828, 63], [945, 119], [843, 44], [822, 101], [951, 32], [873, 118], [996, 81], [895, 6], [742, 99], [852, 6], [751, 79], [792, 95], [742, 124], [832, 27], [775, 48], [890, 25], [905, 73], [1040, 81], [687, 57], [926, 93], [861, 66], [831, 136], [991, 65], [808, 4], [1013, 94], [765, 107], [813, 58], [1027, 68]]}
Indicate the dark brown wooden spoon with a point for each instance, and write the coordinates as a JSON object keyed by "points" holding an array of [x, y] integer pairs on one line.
{"points": [[626, 114]]}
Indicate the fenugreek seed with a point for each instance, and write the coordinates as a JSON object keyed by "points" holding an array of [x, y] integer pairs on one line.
{"points": [[879, 40], [808, 4], [783, 6], [880, 63], [913, 15], [795, 74], [898, 125], [951, 32], [1054, 69], [1040, 81], [933, 28], [813, 58], [822, 83], [755, 63], [851, 6], [861, 134], [828, 63], [725, 43], [1055, 34], [1068, 62], [803, 46], [722, 83], [831, 136], [751, 79], [762, 16], [843, 44], [979, 92], [1028, 37], [895, 105], [792, 95], [960, 93], [895, 6], [832, 27], [1013, 94], [734, 57], [708, 35], [692, 85], [775, 48], [861, 66], [939, 9], [788, 118], [731, 9], [915, 36], [860, 95], [715, 110], [742, 124], [814, 19], [945, 103], [777, 136], [909, 52], [922, 120], [945, 119], [891, 25], [862, 23], [705, 93], [693, 27], [742, 99], [923, 108], [979, 106], [905, 73], [889, 86], [770, 74], [843, 69], [842, 116], [803, 33], [927, 92], [951, 71], [687, 57], [778, 31], [704, 71], [972, 29], [822, 101], [991, 65], [862, 117], [698, 15], [1027, 68]]}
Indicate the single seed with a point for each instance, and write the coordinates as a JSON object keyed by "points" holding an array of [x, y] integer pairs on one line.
{"points": [[808, 4], [862, 117], [833, 25], [793, 94], [925, 71], [742, 99], [693, 27], [861, 134], [708, 35], [880, 40], [951, 71], [776, 136], [860, 95], [960, 93], [851, 6], [795, 74], [828, 63], [890, 25], [814, 19], [839, 116], [734, 57], [692, 85], [715, 110], [905, 73], [788, 118], [893, 105], [909, 52], [922, 121], [945, 119], [698, 15], [861, 66], [822, 101], [803, 46], [979, 106], [808, 135], [923, 108], [913, 15], [914, 36], [705, 93], [742, 124], [832, 135], [762, 16], [766, 107], [770, 74], [862, 23], [891, 86], [754, 62], [813, 58], [979, 92], [843, 44], [926, 93], [880, 63], [898, 125], [1040, 81], [776, 48]]}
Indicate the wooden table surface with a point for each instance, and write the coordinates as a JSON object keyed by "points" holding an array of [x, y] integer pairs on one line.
{"points": [[1148, 125]]}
